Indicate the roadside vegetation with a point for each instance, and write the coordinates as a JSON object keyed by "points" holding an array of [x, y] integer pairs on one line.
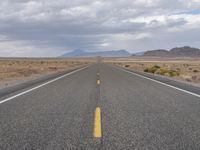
{"points": [[162, 71], [186, 69]]}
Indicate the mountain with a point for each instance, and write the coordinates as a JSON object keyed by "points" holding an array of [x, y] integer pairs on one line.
{"points": [[138, 53], [74, 53], [185, 51], [83, 53], [159, 52]]}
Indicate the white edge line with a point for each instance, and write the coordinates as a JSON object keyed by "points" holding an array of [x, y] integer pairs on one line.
{"points": [[171, 86], [34, 88]]}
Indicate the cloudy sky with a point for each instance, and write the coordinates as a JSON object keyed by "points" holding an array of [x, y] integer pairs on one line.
{"points": [[52, 27]]}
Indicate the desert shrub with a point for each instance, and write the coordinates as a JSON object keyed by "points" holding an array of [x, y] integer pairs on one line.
{"points": [[52, 68], [167, 74], [194, 77], [127, 66], [152, 69], [162, 71], [158, 71], [173, 73], [146, 70], [157, 67], [195, 71], [189, 68]]}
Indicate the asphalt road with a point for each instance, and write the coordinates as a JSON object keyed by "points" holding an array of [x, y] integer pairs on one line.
{"points": [[134, 113]]}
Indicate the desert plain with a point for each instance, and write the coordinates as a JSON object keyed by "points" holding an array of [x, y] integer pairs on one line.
{"points": [[17, 70], [178, 68]]}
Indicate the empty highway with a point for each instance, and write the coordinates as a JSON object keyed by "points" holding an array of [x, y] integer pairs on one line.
{"points": [[100, 107]]}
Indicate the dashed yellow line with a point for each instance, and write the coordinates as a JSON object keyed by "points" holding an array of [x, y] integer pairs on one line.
{"points": [[98, 82], [97, 123]]}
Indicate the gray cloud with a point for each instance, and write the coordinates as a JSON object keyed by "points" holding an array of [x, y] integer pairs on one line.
{"points": [[49, 28]]}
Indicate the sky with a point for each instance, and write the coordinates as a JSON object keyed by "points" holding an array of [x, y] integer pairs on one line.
{"points": [[39, 28]]}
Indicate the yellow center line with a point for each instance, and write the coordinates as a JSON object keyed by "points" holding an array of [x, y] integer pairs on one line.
{"points": [[98, 82], [97, 123]]}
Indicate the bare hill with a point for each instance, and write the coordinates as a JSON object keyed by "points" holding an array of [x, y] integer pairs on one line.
{"points": [[185, 51]]}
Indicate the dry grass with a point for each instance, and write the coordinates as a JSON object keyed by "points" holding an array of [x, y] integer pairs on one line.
{"points": [[186, 69], [17, 69]]}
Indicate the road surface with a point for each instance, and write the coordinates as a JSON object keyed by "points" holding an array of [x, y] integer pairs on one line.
{"points": [[100, 107]]}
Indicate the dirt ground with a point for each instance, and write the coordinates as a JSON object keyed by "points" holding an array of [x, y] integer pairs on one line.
{"points": [[13, 71], [189, 68]]}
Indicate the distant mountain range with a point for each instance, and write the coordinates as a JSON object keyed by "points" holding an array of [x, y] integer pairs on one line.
{"points": [[83, 53], [185, 51]]}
